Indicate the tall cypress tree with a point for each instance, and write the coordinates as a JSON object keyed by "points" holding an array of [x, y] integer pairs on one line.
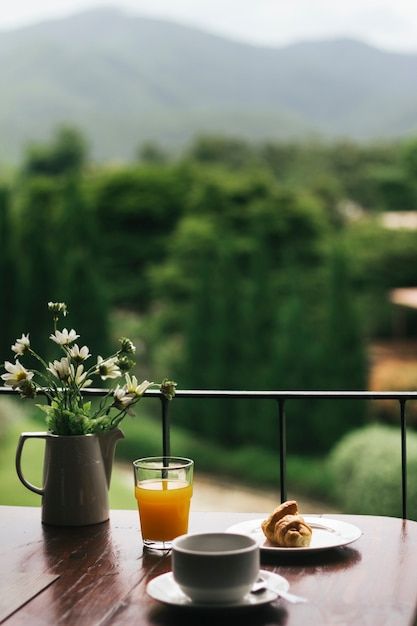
{"points": [[297, 361], [319, 347], [193, 371], [258, 312], [81, 279], [225, 340], [8, 277], [343, 349], [40, 257], [212, 349]]}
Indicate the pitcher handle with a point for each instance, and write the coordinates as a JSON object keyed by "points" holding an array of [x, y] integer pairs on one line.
{"points": [[19, 450]]}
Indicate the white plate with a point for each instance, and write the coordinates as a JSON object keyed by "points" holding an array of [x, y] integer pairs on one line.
{"points": [[327, 533], [165, 589]]}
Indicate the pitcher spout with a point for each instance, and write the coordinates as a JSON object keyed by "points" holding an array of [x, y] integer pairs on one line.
{"points": [[108, 441]]}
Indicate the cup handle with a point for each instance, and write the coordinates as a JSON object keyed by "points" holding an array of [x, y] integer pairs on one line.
{"points": [[19, 450]]}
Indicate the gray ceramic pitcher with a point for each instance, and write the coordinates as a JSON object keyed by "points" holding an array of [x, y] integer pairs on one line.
{"points": [[76, 476]]}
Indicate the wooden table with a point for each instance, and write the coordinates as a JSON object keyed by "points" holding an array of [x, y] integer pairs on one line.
{"points": [[97, 575]]}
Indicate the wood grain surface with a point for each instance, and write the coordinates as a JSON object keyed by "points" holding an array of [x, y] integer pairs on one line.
{"points": [[102, 575]]}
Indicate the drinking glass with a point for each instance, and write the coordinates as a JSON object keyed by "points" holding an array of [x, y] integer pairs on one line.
{"points": [[163, 490]]}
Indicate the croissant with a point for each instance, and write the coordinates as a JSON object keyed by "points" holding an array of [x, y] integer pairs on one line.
{"points": [[286, 528], [286, 508], [292, 532]]}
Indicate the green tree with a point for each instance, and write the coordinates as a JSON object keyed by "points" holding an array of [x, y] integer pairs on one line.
{"points": [[137, 211], [64, 155], [227, 151], [213, 344], [40, 255], [8, 276], [81, 275], [393, 189], [151, 153], [297, 364], [409, 158], [344, 355], [231, 262]]}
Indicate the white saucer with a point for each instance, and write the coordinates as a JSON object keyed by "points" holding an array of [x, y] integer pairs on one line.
{"points": [[165, 589]]}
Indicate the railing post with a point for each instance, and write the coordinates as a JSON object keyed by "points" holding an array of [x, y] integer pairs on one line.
{"points": [[282, 450], [166, 440], [403, 458]]}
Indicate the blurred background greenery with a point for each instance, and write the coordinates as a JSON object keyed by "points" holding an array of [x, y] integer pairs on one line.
{"points": [[232, 265]]}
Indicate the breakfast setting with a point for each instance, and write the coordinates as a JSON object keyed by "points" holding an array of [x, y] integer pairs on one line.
{"points": [[75, 555], [212, 570]]}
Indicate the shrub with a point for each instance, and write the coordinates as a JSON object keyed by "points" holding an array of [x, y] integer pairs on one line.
{"points": [[366, 470]]}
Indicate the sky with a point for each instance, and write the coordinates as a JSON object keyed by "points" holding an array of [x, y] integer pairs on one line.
{"points": [[389, 24]]}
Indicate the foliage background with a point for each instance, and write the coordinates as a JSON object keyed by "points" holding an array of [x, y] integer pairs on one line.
{"points": [[232, 266]]}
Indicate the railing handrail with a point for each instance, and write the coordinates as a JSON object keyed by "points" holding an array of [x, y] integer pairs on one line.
{"points": [[258, 395], [281, 397]]}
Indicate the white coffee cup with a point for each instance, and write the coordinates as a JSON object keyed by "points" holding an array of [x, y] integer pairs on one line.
{"points": [[215, 567]]}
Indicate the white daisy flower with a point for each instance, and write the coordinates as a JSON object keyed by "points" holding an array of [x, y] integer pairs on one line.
{"points": [[122, 399], [79, 376], [64, 338], [17, 374], [60, 369], [79, 354], [133, 387], [21, 345], [108, 368]]}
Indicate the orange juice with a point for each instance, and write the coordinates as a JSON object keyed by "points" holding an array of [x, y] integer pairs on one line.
{"points": [[163, 508]]}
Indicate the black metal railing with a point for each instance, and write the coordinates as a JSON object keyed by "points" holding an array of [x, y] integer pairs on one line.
{"points": [[281, 398]]}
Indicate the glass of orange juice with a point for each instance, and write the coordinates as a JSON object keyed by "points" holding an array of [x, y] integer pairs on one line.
{"points": [[163, 490]]}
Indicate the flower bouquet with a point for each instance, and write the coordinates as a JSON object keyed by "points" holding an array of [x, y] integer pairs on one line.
{"points": [[63, 380]]}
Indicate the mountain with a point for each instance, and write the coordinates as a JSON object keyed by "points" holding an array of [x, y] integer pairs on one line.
{"points": [[124, 79]]}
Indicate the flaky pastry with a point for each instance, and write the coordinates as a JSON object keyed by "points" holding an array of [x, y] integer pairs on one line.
{"points": [[292, 532], [286, 508], [286, 528]]}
